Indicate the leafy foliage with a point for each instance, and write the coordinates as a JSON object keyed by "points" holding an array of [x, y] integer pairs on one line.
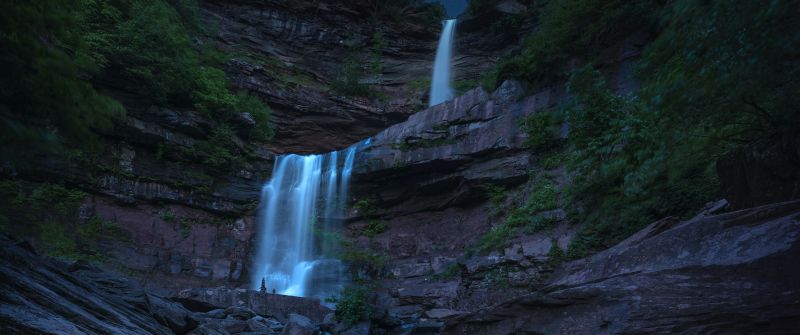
{"points": [[524, 217], [44, 99], [541, 130], [353, 305], [636, 160], [347, 83], [716, 75], [363, 263], [626, 169], [48, 214], [452, 270], [221, 151], [367, 208], [568, 28], [53, 54]]}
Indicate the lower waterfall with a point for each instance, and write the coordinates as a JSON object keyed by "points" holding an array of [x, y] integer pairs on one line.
{"points": [[306, 196]]}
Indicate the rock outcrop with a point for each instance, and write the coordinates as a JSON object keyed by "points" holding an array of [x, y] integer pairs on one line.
{"points": [[729, 273], [46, 296]]}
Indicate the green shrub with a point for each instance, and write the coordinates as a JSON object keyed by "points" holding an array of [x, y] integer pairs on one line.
{"points": [[497, 196], [555, 255], [347, 82], [56, 242], [374, 227], [353, 305], [420, 84], [542, 197], [221, 151], [542, 133], [168, 215], [362, 263], [246, 103]]}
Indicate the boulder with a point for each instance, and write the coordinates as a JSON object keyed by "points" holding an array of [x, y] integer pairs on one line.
{"points": [[361, 328], [428, 326], [262, 324], [240, 313], [209, 329], [298, 325], [171, 314]]}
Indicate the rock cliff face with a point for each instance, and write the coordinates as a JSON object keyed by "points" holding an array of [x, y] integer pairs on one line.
{"points": [[430, 178], [293, 52], [187, 224], [728, 273], [182, 220]]}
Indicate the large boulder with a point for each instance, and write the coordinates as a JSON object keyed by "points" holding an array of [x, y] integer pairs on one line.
{"points": [[730, 273], [299, 325]]}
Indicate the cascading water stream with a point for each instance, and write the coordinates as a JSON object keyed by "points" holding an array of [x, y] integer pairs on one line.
{"points": [[301, 188], [440, 83]]}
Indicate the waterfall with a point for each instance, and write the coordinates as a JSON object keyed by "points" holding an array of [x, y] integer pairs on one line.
{"points": [[305, 198], [440, 84]]}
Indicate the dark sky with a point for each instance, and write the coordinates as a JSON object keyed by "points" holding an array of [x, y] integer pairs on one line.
{"points": [[453, 7]]}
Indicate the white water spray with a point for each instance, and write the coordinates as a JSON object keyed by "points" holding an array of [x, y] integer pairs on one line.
{"points": [[440, 83], [306, 193]]}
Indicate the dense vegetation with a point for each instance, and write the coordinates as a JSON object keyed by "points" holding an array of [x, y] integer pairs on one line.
{"points": [[716, 75], [56, 54], [52, 213]]}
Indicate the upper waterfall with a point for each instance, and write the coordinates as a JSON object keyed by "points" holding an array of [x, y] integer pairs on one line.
{"points": [[440, 83], [306, 194]]}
